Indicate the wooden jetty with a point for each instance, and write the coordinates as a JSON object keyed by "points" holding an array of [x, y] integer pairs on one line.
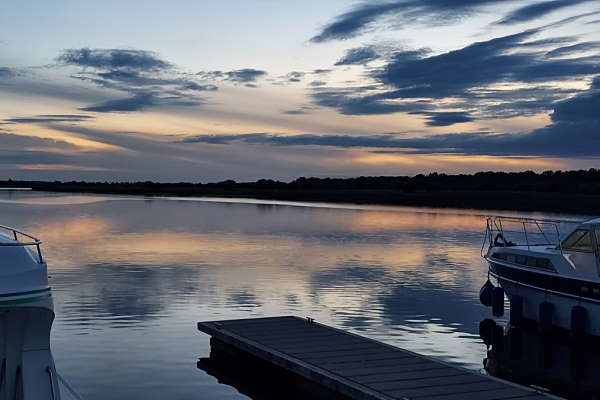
{"points": [[356, 367]]}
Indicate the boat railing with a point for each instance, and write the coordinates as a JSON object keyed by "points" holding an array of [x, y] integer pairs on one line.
{"points": [[17, 235], [514, 231]]}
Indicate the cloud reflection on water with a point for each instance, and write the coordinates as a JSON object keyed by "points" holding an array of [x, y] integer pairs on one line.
{"points": [[149, 266]]}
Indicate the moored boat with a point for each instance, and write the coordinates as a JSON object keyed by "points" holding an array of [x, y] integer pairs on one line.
{"points": [[547, 278], [27, 370]]}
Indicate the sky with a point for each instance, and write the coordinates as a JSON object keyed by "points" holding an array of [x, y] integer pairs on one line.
{"points": [[207, 91]]}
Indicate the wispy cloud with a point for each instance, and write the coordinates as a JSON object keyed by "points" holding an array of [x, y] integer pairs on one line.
{"points": [[246, 76], [114, 59], [536, 10], [359, 56], [148, 80], [413, 81], [5, 72], [49, 118], [384, 14], [575, 132]]}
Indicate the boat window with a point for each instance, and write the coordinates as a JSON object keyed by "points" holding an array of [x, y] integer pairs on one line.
{"points": [[580, 240]]}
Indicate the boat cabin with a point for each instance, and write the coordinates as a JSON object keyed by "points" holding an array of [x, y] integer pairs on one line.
{"points": [[538, 245]]}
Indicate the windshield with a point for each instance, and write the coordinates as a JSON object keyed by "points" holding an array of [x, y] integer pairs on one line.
{"points": [[580, 240]]}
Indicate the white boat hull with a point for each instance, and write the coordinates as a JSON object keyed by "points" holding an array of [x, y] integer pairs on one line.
{"points": [[27, 366], [562, 305]]}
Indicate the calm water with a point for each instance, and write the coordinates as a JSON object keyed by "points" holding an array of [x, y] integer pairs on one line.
{"points": [[132, 276]]}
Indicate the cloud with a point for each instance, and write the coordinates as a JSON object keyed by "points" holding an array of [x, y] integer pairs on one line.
{"points": [[447, 118], [300, 110], [344, 101], [359, 56], [536, 10], [401, 13], [573, 49], [317, 83], [148, 80], [296, 140], [50, 118], [583, 140], [415, 80], [584, 107], [138, 102], [245, 75], [21, 142], [321, 71], [294, 76], [238, 76], [5, 72], [574, 132], [398, 13], [113, 59]]}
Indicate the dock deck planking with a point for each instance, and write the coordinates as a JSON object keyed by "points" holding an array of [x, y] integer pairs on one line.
{"points": [[358, 367]]}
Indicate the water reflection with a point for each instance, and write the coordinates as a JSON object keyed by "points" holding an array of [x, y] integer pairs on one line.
{"points": [[554, 361], [132, 276]]}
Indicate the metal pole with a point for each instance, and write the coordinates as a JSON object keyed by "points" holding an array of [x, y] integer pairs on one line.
{"points": [[526, 238], [39, 253]]}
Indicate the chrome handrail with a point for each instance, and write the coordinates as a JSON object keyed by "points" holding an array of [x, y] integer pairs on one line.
{"points": [[15, 233], [497, 224]]}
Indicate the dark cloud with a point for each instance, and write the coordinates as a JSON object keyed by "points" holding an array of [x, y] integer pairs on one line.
{"points": [[401, 13], [113, 59], [447, 118], [573, 49], [245, 75], [466, 76], [585, 107], [147, 80], [344, 101], [359, 56], [141, 101], [536, 10], [300, 110], [5, 72], [574, 132], [454, 72], [50, 118], [296, 140], [138, 102], [295, 76], [549, 41], [397, 13], [317, 83], [198, 87], [12, 142], [321, 71], [238, 76], [563, 139]]}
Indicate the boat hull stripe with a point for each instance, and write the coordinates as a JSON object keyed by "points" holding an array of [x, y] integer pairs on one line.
{"points": [[24, 293], [569, 286], [23, 300]]}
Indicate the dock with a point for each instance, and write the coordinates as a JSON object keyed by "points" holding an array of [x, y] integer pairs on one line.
{"points": [[352, 366]]}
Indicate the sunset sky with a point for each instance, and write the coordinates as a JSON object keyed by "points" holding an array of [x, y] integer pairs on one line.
{"points": [[237, 89]]}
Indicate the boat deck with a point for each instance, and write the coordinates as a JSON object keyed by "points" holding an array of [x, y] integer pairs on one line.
{"points": [[357, 367]]}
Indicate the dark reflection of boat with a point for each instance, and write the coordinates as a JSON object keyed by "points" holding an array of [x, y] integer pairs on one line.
{"points": [[555, 361], [259, 379]]}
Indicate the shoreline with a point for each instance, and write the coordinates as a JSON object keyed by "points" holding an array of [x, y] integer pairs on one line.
{"points": [[580, 204]]}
